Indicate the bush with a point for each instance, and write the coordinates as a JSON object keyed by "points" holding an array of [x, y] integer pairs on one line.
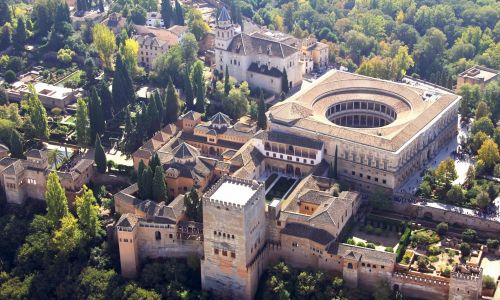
{"points": [[370, 245], [465, 249], [403, 242], [351, 242], [446, 272], [361, 244], [488, 282], [434, 250], [424, 237], [422, 262], [442, 228], [378, 231], [433, 259], [469, 235], [492, 244], [389, 249], [10, 76], [369, 229]]}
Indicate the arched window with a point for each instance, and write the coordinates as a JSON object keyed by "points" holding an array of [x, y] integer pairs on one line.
{"points": [[349, 266], [157, 235]]}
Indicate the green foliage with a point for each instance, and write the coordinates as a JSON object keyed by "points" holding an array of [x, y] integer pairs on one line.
{"points": [[99, 156], [198, 81], [122, 90], [88, 213], [82, 123], [489, 282], [403, 243], [469, 235], [57, 203], [159, 188], [492, 244], [20, 35], [442, 228], [10, 76], [172, 104], [465, 249], [16, 145], [424, 237], [285, 88], [483, 124], [382, 290], [37, 115], [194, 207], [261, 114]]}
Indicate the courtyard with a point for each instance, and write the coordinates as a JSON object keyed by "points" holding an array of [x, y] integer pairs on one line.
{"points": [[278, 186]]}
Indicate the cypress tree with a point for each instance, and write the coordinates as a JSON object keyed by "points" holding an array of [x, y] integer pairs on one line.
{"points": [[90, 71], [106, 99], [16, 144], [123, 90], [160, 106], [147, 180], [199, 87], [82, 124], [140, 179], [261, 113], [284, 82], [129, 134], [154, 162], [20, 34], [55, 197], [227, 85], [6, 37], [99, 156], [335, 175], [172, 103], [166, 13], [179, 13], [96, 115], [5, 13], [188, 91], [159, 189], [101, 6], [153, 115], [37, 115], [193, 206]]}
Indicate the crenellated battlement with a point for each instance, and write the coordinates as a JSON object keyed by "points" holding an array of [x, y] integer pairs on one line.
{"points": [[427, 280], [232, 192]]}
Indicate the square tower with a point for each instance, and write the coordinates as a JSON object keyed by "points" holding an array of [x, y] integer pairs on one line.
{"points": [[235, 238]]}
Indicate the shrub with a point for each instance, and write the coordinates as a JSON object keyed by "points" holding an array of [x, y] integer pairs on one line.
{"points": [[422, 262], [434, 250], [424, 237], [361, 244], [446, 272], [378, 231], [370, 245], [389, 249], [369, 229], [433, 259], [10, 76], [492, 244], [465, 249], [469, 235], [488, 282], [442, 228], [403, 242], [351, 241]]}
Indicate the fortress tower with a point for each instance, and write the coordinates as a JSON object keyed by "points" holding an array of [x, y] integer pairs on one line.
{"points": [[224, 30], [465, 283], [235, 238]]}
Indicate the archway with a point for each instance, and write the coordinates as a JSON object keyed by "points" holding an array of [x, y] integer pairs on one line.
{"points": [[211, 151], [297, 172], [289, 169]]}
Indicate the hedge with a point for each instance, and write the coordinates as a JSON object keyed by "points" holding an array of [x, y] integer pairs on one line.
{"points": [[403, 242]]}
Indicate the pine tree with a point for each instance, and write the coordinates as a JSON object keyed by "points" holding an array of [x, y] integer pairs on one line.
{"points": [[147, 181], [227, 85], [335, 174], [153, 115], [172, 103], [19, 38], [166, 13], [261, 114], [82, 124], [99, 156], [284, 82], [55, 197], [159, 190], [179, 13], [188, 91], [96, 115], [37, 115], [16, 144], [154, 162], [88, 212]]}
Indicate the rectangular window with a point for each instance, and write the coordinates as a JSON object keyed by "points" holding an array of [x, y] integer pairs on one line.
{"points": [[384, 181], [353, 173], [233, 255], [224, 252], [216, 251]]}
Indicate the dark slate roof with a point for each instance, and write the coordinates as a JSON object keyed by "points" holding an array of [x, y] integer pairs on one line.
{"points": [[34, 153], [361, 253], [224, 15], [221, 119], [317, 235], [190, 115], [184, 151], [264, 70], [291, 139], [254, 45], [127, 220]]}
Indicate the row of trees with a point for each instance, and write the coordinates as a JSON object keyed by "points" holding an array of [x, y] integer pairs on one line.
{"points": [[151, 183]]}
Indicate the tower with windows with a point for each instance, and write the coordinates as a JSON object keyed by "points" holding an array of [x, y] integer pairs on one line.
{"points": [[234, 239], [224, 30]]}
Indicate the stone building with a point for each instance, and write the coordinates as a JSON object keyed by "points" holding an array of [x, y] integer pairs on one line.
{"points": [[27, 178], [154, 42], [479, 75], [253, 58], [50, 95], [383, 131]]}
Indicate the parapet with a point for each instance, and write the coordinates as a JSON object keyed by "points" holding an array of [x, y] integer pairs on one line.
{"points": [[233, 192]]}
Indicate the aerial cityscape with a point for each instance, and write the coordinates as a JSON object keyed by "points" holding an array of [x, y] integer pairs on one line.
{"points": [[250, 149]]}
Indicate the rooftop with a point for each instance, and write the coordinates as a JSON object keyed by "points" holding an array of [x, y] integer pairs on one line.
{"points": [[479, 72], [233, 192]]}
